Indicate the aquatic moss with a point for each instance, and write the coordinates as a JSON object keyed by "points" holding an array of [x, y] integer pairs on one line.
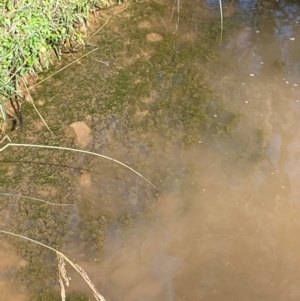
{"points": [[49, 295]]}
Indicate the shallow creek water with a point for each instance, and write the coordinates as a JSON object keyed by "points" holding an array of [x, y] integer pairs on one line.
{"points": [[229, 229], [225, 221]]}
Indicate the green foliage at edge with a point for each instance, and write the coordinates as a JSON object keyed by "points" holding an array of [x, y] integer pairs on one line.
{"points": [[30, 30]]}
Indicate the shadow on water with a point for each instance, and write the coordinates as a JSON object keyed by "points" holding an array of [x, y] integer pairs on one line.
{"points": [[224, 223]]}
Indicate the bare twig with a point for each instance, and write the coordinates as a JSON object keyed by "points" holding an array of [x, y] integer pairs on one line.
{"points": [[64, 68], [62, 257], [31, 100], [75, 150]]}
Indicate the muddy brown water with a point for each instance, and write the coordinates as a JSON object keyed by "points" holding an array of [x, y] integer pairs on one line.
{"points": [[225, 221]]}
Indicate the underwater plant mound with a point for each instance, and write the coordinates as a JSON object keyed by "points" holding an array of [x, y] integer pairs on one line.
{"points": [[33, 33]]}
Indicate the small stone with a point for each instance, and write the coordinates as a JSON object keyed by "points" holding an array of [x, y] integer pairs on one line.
{"points": [[88, 118], [22, 263], [85, 180], [27, 97], [144, 25], [147, 100], [83, 133], [142, 113], [40, 102], [154, 37]]}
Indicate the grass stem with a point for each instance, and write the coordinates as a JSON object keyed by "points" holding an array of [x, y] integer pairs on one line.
{"points": [[75, 150], [76, 267]]}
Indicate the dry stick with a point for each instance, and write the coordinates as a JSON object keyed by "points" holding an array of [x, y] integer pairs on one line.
{"points": [[162, 20], [77, 268], [5, 137], [33, 199], [31, 100], [119, 11], [94, 12], [75, 150], [64, 68], [106, 21], [172, 13], [221, 20], [171, 17], [178, 16]]}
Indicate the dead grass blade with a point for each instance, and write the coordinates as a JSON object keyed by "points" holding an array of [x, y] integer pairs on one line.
{"points": [[31, 100], [61, 266], [64, 67], [78, 151], [221, 20]]}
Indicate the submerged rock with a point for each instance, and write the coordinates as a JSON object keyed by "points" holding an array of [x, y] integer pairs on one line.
{"points": [[144, 25], [82, 132], [154, 37], [85, 180]]}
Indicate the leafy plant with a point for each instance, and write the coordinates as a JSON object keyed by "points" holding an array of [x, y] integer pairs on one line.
{"points": [[30, 32]]}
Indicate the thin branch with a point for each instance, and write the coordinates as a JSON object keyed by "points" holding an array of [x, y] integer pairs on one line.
{"points": [[31, 100], [64, 68], [75, 150], [76, 267], [221, 20], [106, 21]]}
